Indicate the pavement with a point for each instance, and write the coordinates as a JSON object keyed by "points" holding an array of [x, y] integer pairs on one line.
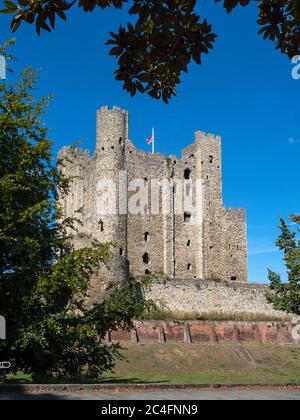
{"points": [[235, 395]]}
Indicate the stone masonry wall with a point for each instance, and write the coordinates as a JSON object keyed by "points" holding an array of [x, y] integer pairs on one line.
{"points": [[204, 296], [190, 244]]}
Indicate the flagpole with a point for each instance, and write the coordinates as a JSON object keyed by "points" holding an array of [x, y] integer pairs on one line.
{"points": [[153, 141]]}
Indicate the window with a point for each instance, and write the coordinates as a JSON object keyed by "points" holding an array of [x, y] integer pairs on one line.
{"points": [[187, 173], [211, 159], [189, 267], [188, 189], [101, 226], [233, 278], [147, 272], [187, 217], [120, 140], [147, 236], [146, 258], [112, 147], [121, 252], [188, 242]]}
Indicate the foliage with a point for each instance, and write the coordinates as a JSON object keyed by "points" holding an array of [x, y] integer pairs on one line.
{"points": [[286, 296], [161, 314], [44, 282], [166, 37]]}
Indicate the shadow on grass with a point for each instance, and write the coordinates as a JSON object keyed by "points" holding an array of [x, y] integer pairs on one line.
{"points": [[81, 381], [21, 394]]}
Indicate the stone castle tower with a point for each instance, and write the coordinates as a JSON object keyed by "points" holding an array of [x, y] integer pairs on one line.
{"points": [[152, 232]]}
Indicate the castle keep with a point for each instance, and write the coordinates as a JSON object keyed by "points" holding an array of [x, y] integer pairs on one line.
{"points": [[205, 244]]}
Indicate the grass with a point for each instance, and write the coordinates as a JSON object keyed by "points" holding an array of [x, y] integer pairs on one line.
{"points": [[164, 315], [180, 363]]}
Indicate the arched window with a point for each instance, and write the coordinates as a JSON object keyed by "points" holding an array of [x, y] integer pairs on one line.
{"points": [[146, 258], [146, 236], [188, 242], [189, 267], [187, 173]]}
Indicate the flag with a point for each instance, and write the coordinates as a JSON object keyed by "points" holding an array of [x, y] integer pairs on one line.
{"points": [[150, 139]]}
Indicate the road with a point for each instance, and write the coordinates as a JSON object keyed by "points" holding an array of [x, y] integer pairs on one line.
{"points": [[288, 394]]}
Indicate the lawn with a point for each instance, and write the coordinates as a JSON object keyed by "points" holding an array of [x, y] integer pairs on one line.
{"points": [[179, 363]]}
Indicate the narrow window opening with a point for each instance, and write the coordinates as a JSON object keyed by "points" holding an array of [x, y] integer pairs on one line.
{"points": [[101, 226], [120, 140], [146, 258], [188, 189], [187, 217], [102, 148], [112, 147], [147, 236], [211, 159], [187, 173], [121, 252], [233, 278], [189, 267], [147, 272], [188, 242]]}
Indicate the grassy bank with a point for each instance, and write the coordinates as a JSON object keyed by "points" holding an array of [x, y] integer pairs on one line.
{"points": [[179, 363]]}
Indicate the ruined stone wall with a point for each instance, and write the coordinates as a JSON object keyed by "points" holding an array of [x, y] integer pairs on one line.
{"points": [[204, 296]]}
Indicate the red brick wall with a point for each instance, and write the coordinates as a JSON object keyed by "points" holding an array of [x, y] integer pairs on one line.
{"points": [[209, 332]]}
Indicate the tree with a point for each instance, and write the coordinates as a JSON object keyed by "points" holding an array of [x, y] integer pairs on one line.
{"points": [[286, 296], [43, 281], [166, 37]]}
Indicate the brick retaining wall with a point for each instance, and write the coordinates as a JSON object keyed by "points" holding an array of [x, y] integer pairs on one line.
{"points": [[210, 332]]}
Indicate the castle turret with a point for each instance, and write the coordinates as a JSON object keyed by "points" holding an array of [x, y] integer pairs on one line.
{"points": [[111, 185]]}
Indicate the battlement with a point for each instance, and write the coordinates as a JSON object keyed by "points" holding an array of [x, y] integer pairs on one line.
{"points": [[73, 151], [105, 108], [201, 135]]}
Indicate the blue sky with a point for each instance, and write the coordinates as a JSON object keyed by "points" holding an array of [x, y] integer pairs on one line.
{"points": [[243, 91]]}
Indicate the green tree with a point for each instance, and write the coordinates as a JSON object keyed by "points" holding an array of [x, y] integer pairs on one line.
{"points": [[43, 281], [166, 37], [286, 296]]}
